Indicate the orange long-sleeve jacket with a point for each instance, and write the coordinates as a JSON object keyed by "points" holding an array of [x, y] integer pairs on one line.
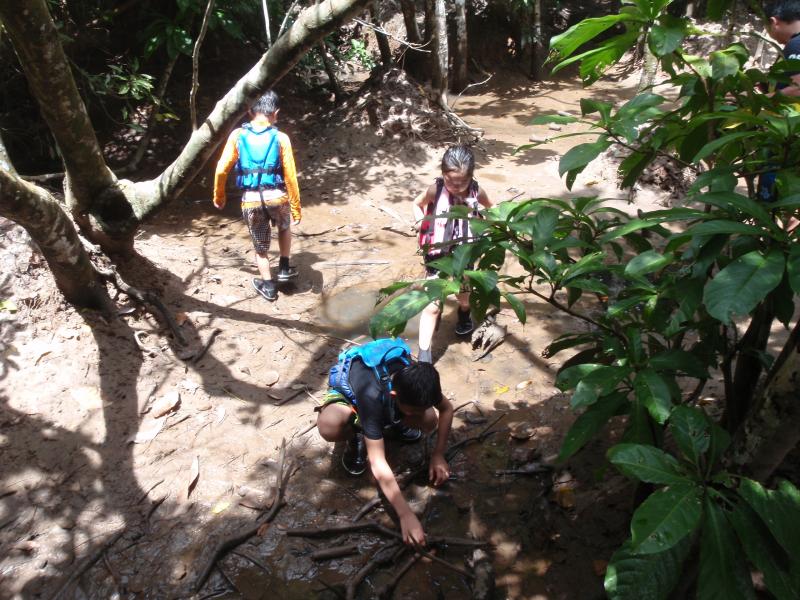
{"points": [[230, 155]]}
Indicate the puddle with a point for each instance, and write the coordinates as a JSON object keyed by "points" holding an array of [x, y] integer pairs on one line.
{"points": [[349, 310]]}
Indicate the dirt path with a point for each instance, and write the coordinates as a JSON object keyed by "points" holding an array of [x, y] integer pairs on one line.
{"points": [[84, 456]]}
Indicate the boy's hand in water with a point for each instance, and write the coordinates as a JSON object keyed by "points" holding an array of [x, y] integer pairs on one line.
{"points": [[438, 470], [413, 534]]}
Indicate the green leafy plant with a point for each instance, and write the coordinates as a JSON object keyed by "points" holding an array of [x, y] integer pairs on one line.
{"points": [[660, 296]]}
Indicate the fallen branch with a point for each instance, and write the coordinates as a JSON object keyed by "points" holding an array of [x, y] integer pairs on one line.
{"points": [[233, 541], [335, 552], [373, 527], [443, 562], [318, 233], [389, 211], [147, 298], [207, 345], [383, 556], [386, 591], [88, 563]]}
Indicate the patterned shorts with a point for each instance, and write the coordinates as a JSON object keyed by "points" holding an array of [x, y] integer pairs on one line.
{"points": [[258, 222]]}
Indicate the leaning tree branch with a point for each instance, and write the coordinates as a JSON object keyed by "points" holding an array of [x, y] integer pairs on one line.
{"points": [[196, 64], [311, 25]]}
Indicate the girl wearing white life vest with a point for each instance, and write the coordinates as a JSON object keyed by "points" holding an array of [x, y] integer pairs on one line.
{"points": [[438, 237]]}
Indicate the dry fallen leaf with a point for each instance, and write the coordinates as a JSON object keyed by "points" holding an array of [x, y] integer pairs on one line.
{"points": [[148, 431], [166, 404], [181, 318], [193, 476], [220, 412], [500, 389], [277, 346], [220, 506], [298, 386], [523, 384]]}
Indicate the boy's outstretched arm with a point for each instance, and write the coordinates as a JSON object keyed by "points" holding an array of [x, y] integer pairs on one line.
{"points": [[439, 470], [230, 154], [483, 199], [409, 524]]}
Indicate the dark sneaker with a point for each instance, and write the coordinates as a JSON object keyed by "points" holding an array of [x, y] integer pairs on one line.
{"points": [[266, 289], [287, 273], [405, 434], [465, 324], [354, 457]]}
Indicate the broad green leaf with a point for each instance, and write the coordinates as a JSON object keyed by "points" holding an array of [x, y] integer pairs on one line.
{"points": [[793, 267], [730, 200], [779, 509], [589, 423], [599, 382], [723, 65], [648, 262], [577, 157], [544, 225], [569, 377], [517, 305], [668, 516], [485, 280], [783, 302], [568, 340], [633, 166], [590, 263], [631, 576], [690, 430], [595, 62], [667, 35], [718, 143], [764, 552], [589, 285], [722, 226], [589, 106], [723, 573], [393, 317], [720, 440], [564, 44], [679, 361], [558, 119], [647, 463], [652, 391], [640, 426], [461, 259], [738, 288]]}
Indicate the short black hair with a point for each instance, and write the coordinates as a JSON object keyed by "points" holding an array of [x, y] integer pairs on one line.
{"points": [[417, 384], [787, 11], [458, 158], [266, 105]]}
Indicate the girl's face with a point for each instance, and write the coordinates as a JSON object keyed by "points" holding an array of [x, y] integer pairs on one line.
{"points": [[457, 182]]}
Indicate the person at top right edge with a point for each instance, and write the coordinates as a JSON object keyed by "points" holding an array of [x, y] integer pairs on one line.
{"points": [[439, 236], [783, 25]]}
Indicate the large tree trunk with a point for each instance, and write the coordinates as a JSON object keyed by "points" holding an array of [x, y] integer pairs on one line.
{"points": [[772, 428], [333, 83], [111, 211], [410, 18], [383, 41], [439, 54], [51, 228], [460, 57]]}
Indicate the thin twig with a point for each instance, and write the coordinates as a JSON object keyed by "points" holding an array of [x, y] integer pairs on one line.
{"points": [[196, 358], [383, 556], [378, 29], [453, 105], [196, 64]]}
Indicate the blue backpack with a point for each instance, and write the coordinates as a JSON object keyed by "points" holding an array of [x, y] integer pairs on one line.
{"points": [[376, 355], [259, 166]]}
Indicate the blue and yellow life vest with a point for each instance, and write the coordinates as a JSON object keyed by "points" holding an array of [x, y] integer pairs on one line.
{"points": [[259, 166]]}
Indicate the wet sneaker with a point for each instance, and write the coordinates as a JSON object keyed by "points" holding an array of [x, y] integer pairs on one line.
{"points": [[266, 289], [405, 434], [465, 324], [354, 457], [287, 273]]}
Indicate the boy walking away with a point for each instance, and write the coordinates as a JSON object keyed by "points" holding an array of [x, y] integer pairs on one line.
{"points": [[375, 392], [267, 176]]}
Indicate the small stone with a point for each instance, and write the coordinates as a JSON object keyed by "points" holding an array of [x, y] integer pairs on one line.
{"points": [[554, 127], [538, 139]]}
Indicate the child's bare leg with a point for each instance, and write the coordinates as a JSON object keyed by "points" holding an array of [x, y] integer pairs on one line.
{"points": [[333, 423], [427, 325], [463, 301], [285, 241], [262, 262]]}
